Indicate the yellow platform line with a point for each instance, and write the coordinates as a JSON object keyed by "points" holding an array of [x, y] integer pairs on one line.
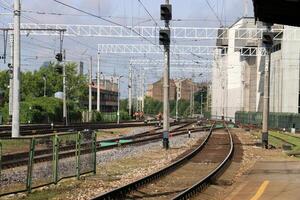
{"points": [[260, 190]]}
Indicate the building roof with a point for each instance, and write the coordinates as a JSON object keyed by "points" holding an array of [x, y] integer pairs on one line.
{"points": [[278, 11]]}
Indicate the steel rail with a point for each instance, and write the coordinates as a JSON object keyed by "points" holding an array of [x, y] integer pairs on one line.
{"points": [[31, 131], [121, 192], [19, 159], [206, 181]]}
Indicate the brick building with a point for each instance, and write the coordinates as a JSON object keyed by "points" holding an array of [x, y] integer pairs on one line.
{"points": [[156, 90], [182, 87]]}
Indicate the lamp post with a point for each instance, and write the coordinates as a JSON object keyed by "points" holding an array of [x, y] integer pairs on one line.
{"points": [[176, 106], [201, 98], [45, 84], [118, 113]]}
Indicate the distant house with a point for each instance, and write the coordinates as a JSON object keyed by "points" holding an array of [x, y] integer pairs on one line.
{"points": [[183, 88], [156, 90]]}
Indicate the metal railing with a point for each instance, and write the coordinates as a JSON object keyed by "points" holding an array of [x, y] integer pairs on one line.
{"points": [[64, 156]]}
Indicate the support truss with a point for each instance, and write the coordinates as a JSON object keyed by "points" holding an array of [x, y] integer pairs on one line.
{"points": [[172, 62], [177, 50], [192, 33]]}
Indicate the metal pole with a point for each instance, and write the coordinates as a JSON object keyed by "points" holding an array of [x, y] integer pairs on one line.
{"points": [[30, 165], [201, 102], [166, 90], [118, 113], [90, 88], [11, 78], [45, 85], [166, 108], [176, 107], [265, 125], [98, 84], [266, 101], [65, 95], [16, 71], [193, 99], [130, 91], [137, 92], [143, 90]]}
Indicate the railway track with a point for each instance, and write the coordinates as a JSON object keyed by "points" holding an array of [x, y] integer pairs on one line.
{"points": [[41, 155], [185, 177], [31, 130]]}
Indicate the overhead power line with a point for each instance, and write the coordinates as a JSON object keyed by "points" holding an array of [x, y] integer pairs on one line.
{"points": [[156, 24], [106, 20], [214, 12]]}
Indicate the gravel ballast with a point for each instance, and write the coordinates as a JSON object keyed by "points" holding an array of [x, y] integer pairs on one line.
{"points": [[107, 159]]}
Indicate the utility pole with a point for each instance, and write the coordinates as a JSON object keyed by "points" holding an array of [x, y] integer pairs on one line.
{"points": [[118, 113], [16, 71], [60, 57], [192, 106], [176, 107], [137, 92], [90, 88], [65, 95], [164, 39], [45, 84], [98, 84], [10, 105], [143, 90], [130, 90], [268, 43], [65, 109], [201, 102]]}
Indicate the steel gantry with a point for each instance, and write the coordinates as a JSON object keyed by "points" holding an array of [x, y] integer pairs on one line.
{"points": [[203, 62], [194, 33], [178, 50]]}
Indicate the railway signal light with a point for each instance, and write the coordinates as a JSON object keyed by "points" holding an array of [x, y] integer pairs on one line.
{"points": [[166, 12], [267, 38], [59, 69], [10, 69], [164, 37], [59, 57]]}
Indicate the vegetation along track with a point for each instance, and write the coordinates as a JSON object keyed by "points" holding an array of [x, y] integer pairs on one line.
{"points": [[45, 154], [185, 177]]}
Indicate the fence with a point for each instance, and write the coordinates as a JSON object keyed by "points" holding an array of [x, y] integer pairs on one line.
{"points": [[45, 160], [276, 120]]}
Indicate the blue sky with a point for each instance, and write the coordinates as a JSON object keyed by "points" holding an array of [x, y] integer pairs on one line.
{"points": [[35, 50]]}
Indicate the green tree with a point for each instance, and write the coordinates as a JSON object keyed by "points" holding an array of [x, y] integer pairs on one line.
{"points": [[4, 83], [32, 91]]}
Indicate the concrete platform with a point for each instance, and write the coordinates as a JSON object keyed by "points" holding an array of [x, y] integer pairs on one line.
{"points": [[269, 180]]}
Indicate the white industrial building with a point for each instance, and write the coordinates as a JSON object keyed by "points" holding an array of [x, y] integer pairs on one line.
{"points": [[238, 81]]}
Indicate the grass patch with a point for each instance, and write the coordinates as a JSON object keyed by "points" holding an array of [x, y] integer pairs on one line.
{"points": [[274, 139], [287, 138]]}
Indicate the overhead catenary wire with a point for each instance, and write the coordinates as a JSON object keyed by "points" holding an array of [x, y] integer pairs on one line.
{"points": [[214, 12], [106, 20], [156, 24]]}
